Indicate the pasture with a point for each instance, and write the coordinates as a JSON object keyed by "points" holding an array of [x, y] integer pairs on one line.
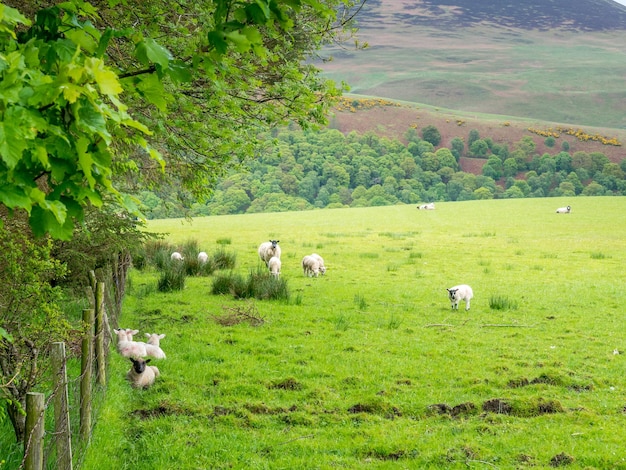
{"points": [[367, 366]]}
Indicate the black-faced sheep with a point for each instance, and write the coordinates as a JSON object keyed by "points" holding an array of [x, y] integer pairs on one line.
{"points": [[141, 375], [458, 293], [274, 266], [564, 210], [153, 346], [268, 250]]}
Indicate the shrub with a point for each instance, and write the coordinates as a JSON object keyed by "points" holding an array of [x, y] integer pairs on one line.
{"points": [[223, 260], [260, 285], [172, 278]]}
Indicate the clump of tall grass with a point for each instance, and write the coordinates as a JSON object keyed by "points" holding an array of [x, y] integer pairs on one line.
{"points": [[360, 302], [260, 285], [223, 241], [499, 302], [599, 255], [172, 278]]}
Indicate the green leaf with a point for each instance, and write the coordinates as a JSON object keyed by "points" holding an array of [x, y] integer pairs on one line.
{"points": [[148, 51], [84, 160], [151, 88], [218, 41], [90, 118], [105, 78], [14, 196], [12, 143], [44, 222]]}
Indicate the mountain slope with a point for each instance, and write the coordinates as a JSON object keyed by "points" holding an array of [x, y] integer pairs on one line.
{"points": [[554, 60]]}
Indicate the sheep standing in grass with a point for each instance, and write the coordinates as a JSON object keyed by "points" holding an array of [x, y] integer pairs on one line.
{"points": [[458, 293], [274, 266], [141, 375], [203, 257], [428, 207], [311, 266], [564, 210], [176, 256], [267, 250], [320, 260], [153, 346], [126, 346]]}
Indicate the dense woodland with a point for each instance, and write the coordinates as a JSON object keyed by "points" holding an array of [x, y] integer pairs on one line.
{"points": [[302, 170]]}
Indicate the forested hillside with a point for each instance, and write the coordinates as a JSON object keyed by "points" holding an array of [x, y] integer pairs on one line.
{"points": [[316, 169]]}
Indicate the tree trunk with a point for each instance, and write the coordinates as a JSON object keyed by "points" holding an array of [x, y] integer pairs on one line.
{"points": [[18, 419]]}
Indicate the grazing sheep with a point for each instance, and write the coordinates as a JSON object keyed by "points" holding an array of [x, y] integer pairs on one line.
{"points": [[274, 266], [203, 257], [310, 266], [268, 250], [153, 346], [141, 375], [176, 256], [458, 293], [429, 207], [564, 210], [126, 346], [320, 260]]}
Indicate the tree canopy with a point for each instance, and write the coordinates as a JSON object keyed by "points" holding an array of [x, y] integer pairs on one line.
{"points": [[97, 99]]}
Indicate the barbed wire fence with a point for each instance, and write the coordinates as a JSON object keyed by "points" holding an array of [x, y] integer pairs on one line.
{"points": [[59, 423]]}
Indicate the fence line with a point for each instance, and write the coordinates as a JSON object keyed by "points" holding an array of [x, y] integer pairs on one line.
{"points": [[56, 451]]}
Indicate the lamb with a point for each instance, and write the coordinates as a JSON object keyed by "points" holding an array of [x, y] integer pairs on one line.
{"points": [[176, 256], [126, 346], [320, 260], [203, 257], [458, 293], [429, 207], [141, 375], [268, 250], [564, 210], [274, 266], [153, 347], [311, 266]]}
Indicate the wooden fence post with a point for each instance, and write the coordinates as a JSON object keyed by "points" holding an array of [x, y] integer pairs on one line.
{"points": [[61, 408], [100, 357], [85, 374], [33, 437]]}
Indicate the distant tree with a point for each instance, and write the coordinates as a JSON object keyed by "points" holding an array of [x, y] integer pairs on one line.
{"points": [[479, 148], [457, 147], [509, 167], [472, 137], [483, 193], [594, 189], [446, 159], [431, 134], [527, 145], [565, 146], [549, 141], [513, 192]]}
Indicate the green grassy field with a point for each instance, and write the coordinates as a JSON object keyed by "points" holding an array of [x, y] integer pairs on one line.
{"points": [[368, 366]]}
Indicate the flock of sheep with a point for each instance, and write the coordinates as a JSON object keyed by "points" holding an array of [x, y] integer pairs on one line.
{"points": [[269, 252], [140, 375]]}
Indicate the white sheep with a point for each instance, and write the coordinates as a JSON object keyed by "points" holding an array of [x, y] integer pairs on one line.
{"points": [[203, 257], [141, 375], [310, 266], [320, 260], [458, 293], [153, 346], [126, 346], [176, 256], [268, 250], [429, 207], [274, 266], [564, 210]]}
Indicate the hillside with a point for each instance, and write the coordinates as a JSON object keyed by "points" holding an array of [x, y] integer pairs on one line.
{"points": [[559, 61], [393, 119]]}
